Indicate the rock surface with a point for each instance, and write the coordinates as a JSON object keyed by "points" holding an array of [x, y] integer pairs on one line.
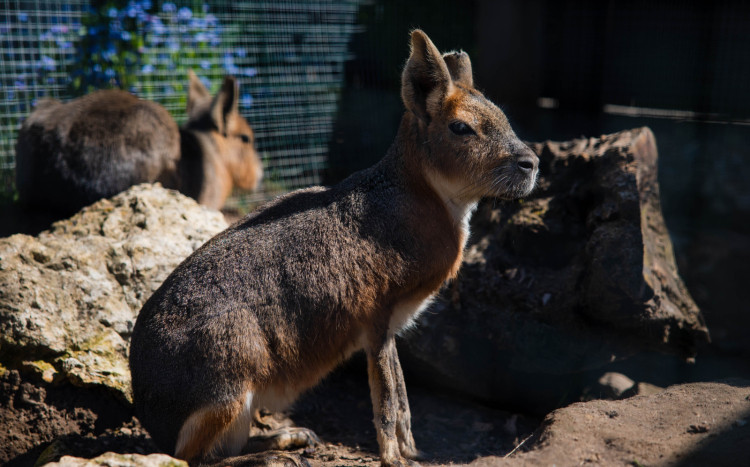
{"points": [[112, 459], [578, 275], [69, 297], [614, 385]]}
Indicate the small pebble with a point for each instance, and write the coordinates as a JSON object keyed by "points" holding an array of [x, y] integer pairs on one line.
{"points": [[695, 429]]}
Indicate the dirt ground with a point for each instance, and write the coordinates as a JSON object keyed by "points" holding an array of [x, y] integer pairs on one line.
{"points": [[447, 429], [685, 425]]}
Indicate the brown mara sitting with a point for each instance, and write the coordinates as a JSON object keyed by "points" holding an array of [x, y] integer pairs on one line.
{"points": [[265, 309], [72, 154]]}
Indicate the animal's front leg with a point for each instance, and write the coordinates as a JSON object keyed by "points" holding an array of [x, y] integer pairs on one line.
{"points": [[383, 390], [403, 417]]}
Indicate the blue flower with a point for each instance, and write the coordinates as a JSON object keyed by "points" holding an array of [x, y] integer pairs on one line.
{"points": [[249, 72], [23, 17], [240, 52], [229, 65], [109, 52], [115, 27], [246, 100], [125, 35], [112, 13], [197, 23], [157, 27], [185, 13], [147, 69], [169, 7], [47, 63], [205, 64]]}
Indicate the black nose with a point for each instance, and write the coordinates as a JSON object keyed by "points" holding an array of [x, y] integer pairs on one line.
{"points": [[527, 161]]}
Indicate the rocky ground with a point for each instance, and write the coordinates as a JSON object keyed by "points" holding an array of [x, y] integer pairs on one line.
{"points": [[684, 425]]}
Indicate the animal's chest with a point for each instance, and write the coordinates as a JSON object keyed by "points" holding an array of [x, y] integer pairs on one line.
{"points": [[406, 312], [444, 254]]}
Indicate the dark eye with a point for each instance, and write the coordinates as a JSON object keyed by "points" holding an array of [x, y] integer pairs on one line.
{"points": [[460, 128], [245, 138]]}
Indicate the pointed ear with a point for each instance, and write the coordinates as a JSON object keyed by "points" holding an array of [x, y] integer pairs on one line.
{"points": [[225, 103], [425, 77], [197, 93], [459, 66]]}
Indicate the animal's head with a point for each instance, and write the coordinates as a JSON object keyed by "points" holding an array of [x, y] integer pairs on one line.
{"points": [[232, 137], [465, 141]]}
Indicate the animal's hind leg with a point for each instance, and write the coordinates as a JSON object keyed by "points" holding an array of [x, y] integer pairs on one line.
{"points": [[231, 441], [210, 428]]}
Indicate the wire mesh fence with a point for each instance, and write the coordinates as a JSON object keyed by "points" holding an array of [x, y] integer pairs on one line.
{"points": [[288, 57]]}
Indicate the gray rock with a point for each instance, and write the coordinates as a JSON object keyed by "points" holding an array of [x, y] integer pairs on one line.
{"points": [[576, 276], [613, 385], [111, 459], [69, 297]]}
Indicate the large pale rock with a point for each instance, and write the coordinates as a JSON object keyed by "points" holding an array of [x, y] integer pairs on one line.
{"points": [[579, 274], [111, 459], [69, 297]]}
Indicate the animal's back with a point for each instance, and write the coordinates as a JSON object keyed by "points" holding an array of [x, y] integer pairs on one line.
{"points": [[297, 278], [72, 154]]}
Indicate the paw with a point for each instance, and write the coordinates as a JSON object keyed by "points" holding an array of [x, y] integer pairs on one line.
{"points": [[268, 421], [410, 451], [283, 439]]}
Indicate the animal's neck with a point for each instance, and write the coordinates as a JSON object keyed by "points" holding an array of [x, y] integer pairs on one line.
{"points": [[451, 192], [199, 173]]}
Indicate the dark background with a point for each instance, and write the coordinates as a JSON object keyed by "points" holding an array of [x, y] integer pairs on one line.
{"points": [[681, 68]]}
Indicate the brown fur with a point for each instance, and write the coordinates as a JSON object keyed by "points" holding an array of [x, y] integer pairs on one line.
{"points": [[71, 154], [266, 308], [209, 423]]}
